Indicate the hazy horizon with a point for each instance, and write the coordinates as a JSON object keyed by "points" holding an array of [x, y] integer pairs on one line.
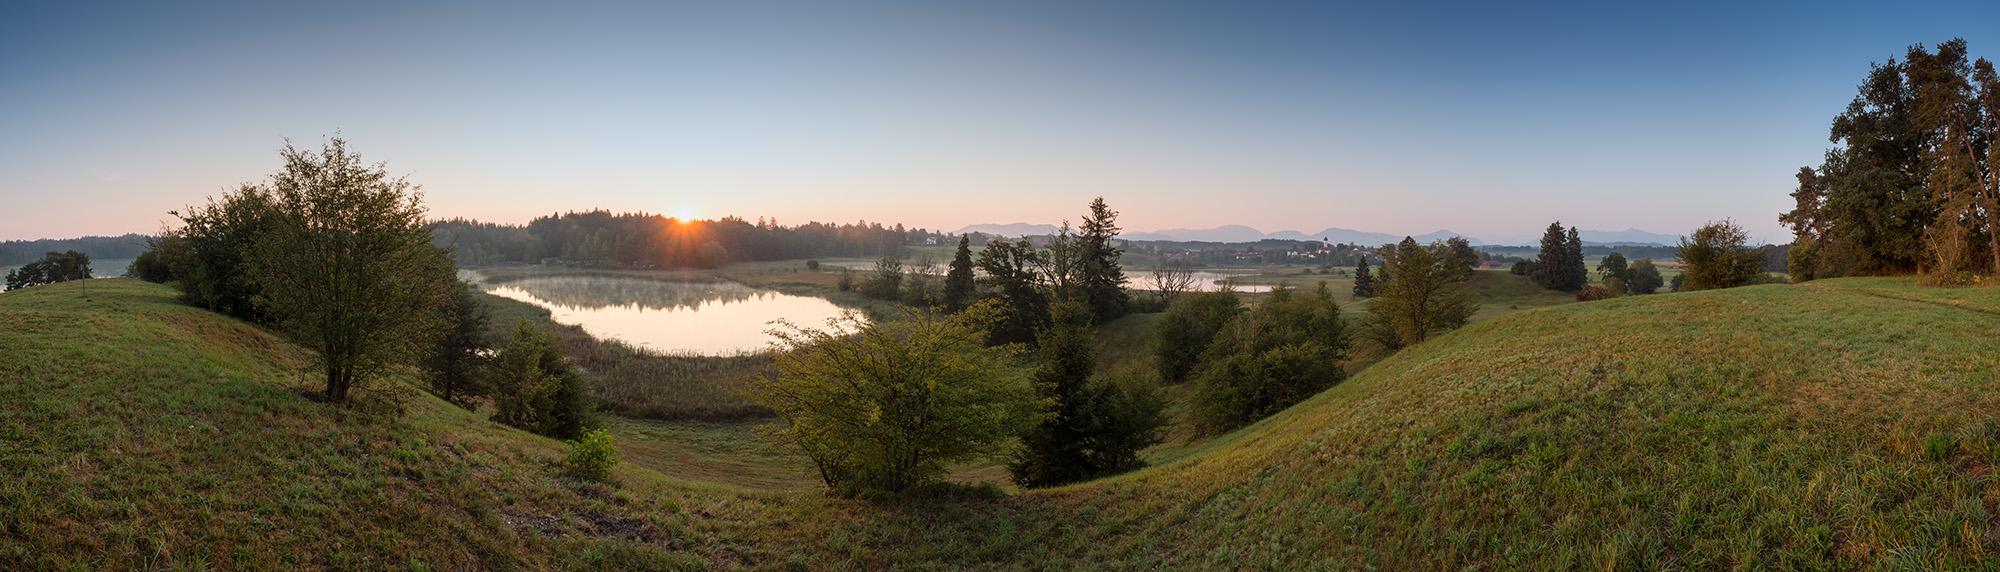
{"points": [[1478, 119]]}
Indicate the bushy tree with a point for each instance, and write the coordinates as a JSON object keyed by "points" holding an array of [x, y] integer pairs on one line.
{"points": [[893, 405], [1644, 277], [1525, 267], [1101, 279], [536, 388], [459, 367], [209, 255], [1013, 272], [347, 266], [958, 282], [1364, 281], [1717, 255], [52, 268], [1423, 293], [1187, 328], [1463, 255], [1094, 428], [887, 283], [1287, 348], [1613, 266]]}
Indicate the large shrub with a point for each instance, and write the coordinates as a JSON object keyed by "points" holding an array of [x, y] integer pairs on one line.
{"points": [[1286, 349], [536, 388], [1187, 328], [891, 406]]}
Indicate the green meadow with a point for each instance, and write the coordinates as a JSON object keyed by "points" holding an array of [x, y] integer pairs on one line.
{"points": [[1845, 424]]}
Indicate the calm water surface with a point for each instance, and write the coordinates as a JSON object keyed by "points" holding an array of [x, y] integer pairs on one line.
{"points": [[676, 317]]}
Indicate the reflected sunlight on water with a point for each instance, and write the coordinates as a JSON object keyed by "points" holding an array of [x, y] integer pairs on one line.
{"points": [[673, 317]]}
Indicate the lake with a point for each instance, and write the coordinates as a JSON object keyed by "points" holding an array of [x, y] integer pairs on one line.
{"points": [[1212, 281], [706, 318]]}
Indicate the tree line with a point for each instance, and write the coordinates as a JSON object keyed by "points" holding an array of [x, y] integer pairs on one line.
{"points": [[13, 252], [599, 237], [1911, 186]]}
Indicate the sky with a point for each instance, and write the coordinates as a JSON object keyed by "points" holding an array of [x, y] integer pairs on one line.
{"points": [[1490, 119]]}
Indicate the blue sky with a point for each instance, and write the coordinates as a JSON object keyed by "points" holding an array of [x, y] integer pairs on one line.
{"points": [[1487, 118]]}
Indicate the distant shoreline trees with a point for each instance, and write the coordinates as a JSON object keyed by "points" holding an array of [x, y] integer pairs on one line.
{"points": [[54, 267]]}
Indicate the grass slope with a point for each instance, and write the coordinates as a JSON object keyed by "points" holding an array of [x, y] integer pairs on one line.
{"points": [[143, 434], [1846, 424]]}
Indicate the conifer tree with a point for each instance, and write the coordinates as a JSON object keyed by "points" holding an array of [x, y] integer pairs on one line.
{"points": [[1102, 280], [1550, 266], [958, 284], [1575, 274], [1364, 282]]}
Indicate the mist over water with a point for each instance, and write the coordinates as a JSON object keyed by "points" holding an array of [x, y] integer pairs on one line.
{"points": [[707, 318]]}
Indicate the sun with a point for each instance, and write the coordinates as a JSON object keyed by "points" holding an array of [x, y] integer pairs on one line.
{"points": [[685, 213]]}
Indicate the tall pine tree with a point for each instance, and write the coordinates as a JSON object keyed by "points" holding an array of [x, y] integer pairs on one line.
{"points": [[1103, 281], [1364, 282], [958, 284], [1550, 268]]}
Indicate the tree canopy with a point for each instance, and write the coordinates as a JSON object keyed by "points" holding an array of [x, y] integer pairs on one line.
{"points": [[892, 405], [1421, 291], [347, 267], [1911, 186], [52, 268]]}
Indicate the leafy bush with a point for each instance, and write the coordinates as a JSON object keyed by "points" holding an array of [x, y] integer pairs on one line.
{"points": [[891, 405], [592, 455], [1285, 350], [1187, 329], [537, 389]]}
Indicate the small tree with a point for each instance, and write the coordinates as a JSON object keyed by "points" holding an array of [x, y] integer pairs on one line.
{"points": [[1644, 277], [1172, 278], [536, 388], [458, 368], [888, 280], [1288, 348], [1187, 328], [1364, 282], [1101, 278], [1096, 427], [209, 254], [348, 268], [889, 406], [1012, 270], [1425, 293], [1717, 255], [1613, 266], [958, 284]]}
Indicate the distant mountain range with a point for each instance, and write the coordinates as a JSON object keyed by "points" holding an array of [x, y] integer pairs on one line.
{"points": [[1240, 233]]}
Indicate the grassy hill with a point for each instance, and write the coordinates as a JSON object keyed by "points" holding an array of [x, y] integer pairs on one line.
{"points": [[1844, 424]]}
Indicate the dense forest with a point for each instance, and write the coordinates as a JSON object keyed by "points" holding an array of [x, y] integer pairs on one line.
{"points": [[15, 252], [648, 240]]}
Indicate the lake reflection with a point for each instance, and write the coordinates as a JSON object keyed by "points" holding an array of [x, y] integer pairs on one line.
{"points": [[709, 318], [1212, 281]]}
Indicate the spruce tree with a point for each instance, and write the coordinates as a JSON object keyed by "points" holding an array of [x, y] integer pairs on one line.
{"points": [[958, 285], [1103, 281], [1364, 283], [1550, 267], [1575, 274], [1052, 453]]}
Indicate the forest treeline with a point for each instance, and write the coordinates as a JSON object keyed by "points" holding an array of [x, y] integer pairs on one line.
{"points": [[601, 237], [15, 252], [1911, 187]]}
